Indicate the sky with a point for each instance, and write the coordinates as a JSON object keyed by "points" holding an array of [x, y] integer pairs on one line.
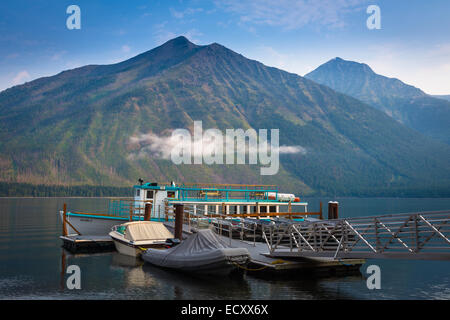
{"points": [[413, 43]]}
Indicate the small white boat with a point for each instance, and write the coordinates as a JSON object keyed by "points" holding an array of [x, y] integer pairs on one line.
{"points": [[132, 237]]}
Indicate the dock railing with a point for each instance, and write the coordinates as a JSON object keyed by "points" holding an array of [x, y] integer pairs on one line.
{"points": [[243, 226], [424, 235]]}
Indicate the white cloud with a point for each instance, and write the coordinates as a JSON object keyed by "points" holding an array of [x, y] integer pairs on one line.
{"points": [[162, 34], [182, 14], [126, 48], [291, 150], [58, 55], [155, 146], [292, 14], [21, 77]]}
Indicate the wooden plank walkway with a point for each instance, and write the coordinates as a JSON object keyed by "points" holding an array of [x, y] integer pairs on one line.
{"points": [[259, 255], [260, 259], [87, 244]]}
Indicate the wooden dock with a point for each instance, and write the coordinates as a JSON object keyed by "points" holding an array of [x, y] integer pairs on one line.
{"points": [[260, 259], [87, 244]]}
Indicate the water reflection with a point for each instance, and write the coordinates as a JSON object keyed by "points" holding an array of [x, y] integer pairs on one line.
{"points": [[131, 267], [189, 286]]}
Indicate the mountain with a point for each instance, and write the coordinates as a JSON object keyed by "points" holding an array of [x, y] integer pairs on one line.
{"points": [[407, 104], [443, 96], [77, 127]]}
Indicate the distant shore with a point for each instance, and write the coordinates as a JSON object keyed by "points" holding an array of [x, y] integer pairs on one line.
{"points": [[27, 190]]}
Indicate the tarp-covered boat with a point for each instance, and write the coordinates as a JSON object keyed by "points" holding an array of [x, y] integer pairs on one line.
{"points": [[202, 252]]}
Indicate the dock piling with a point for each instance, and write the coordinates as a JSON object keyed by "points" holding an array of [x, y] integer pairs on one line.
{"points": [[148, 211], [179, 210], [64, 231], [333, 210]]}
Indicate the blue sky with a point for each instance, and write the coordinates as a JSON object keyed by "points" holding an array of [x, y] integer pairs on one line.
{"points": [[413, 43]]}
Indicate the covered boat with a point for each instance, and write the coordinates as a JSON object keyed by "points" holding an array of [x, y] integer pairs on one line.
{"points": [[131, 237], [202, 252]]}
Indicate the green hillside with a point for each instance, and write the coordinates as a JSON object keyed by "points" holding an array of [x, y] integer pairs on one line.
{"points": [[74, 128]]}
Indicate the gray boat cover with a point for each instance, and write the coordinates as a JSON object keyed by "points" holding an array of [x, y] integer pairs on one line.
{"points": [[200, 251]]}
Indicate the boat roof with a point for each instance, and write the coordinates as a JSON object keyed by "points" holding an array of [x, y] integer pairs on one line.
{"points": [[220, 193], [207, 187]]}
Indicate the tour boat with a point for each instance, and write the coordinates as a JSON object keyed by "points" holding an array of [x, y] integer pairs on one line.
{"points": [[158, 201]]}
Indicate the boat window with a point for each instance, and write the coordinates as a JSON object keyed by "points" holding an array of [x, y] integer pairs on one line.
{"points": [[273, 209], [149, 194], [170, 194], [138, 192], [263, 209]]}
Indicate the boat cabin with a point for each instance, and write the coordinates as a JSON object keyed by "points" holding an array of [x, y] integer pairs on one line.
{"points": [[215, 198]]}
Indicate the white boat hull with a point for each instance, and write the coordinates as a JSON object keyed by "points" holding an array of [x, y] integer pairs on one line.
{"points": [[88, 225], [127, 249]]}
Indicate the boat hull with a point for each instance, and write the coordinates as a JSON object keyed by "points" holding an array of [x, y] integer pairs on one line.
{"points": [[90, 225], [126, 249], [131, 248]]}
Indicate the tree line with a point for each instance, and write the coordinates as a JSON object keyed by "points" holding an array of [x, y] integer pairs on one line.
{"points": [[14, 189]]}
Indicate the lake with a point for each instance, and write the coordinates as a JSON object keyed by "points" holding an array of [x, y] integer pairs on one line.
{"points": [[31, 258]]}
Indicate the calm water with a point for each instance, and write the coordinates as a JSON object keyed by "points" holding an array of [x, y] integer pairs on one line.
{"points": [[31, 256]]}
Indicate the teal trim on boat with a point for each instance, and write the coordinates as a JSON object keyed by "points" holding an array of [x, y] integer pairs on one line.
{"points": [[112, 218]]}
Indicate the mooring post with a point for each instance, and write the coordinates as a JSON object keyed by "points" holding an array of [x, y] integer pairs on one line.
{"points": [[321, 217], [290, 209], [333, 210], [179, 209], [257, 210], [166, 210], [131, 212], [147, 211], [64, 220]]}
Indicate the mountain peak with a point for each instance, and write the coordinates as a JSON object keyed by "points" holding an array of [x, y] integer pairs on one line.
{"points": [[405, 103], [349, 65], [180, 40], [358, 80]]}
